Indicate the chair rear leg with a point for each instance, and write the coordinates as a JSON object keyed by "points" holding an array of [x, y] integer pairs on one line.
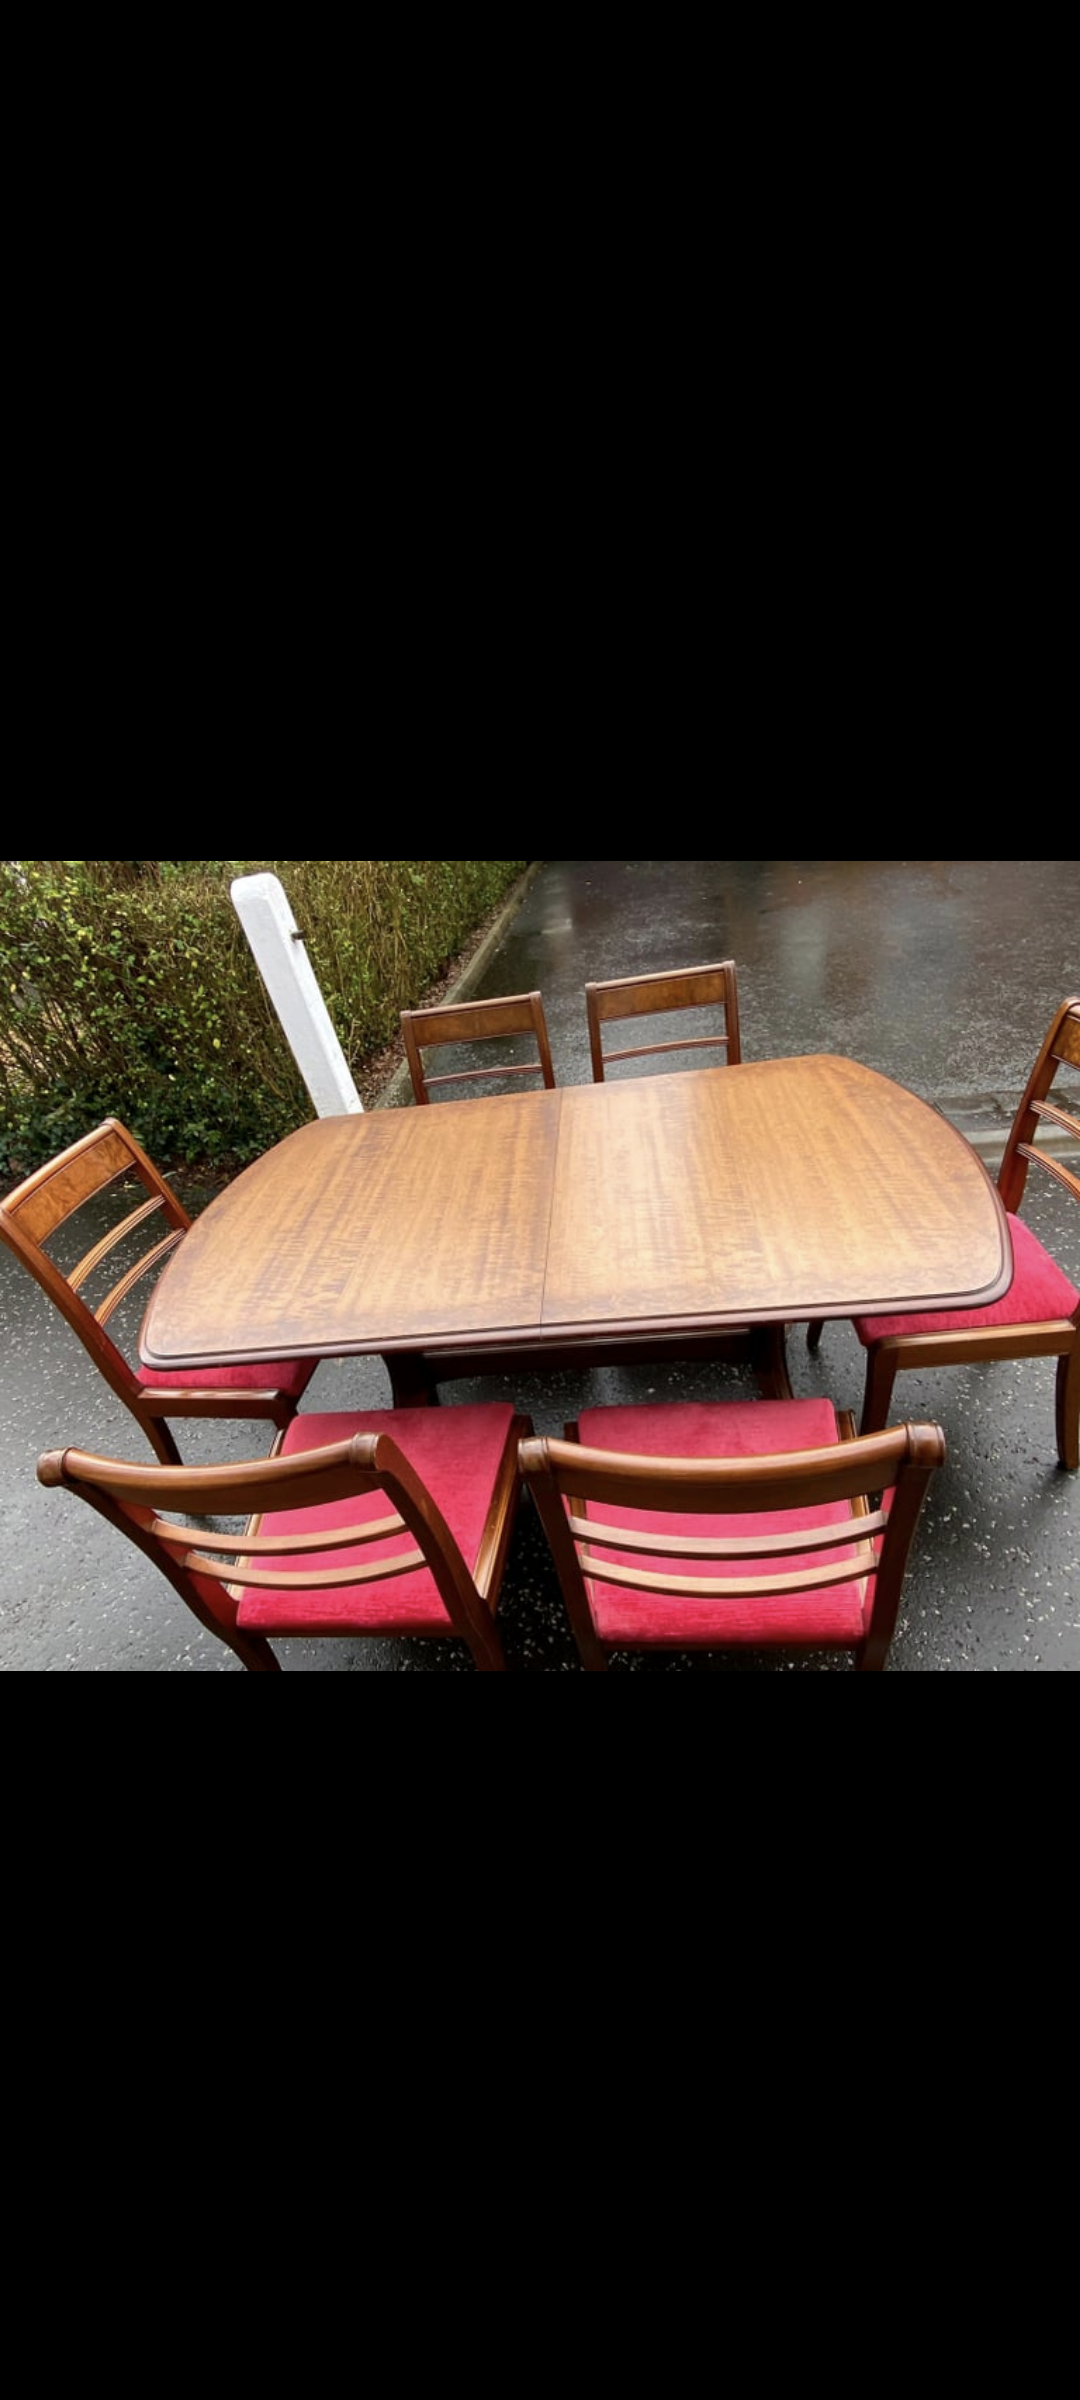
{"points": [[1067, 1407], [488, 1652], [814, 1332], [255, 1654]]}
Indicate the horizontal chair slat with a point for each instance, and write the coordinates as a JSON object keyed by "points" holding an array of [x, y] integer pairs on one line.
{"points": [[277, 1545], [1052, 1166], [325, 1579], [110, 1240], [135, 1275], [692, 1545], [733, 1587]]}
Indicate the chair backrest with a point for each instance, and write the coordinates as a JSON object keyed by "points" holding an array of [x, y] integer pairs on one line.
{"points": [[317, 1555], [1060, 1049], [83, 1197], [468, 1021], [789, 1551], [702, 988]]}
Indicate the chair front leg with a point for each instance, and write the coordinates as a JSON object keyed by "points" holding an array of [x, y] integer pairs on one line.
{"points": [[881, 1366], [161, 1439]]}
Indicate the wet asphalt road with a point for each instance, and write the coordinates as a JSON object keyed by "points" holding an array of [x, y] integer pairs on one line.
{"points": [[940, 974]]}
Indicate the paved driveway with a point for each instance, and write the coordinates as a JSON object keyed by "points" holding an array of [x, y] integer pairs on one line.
{"points": [[942, 974]]}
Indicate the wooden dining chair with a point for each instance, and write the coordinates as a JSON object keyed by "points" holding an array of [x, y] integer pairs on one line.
{"points": [[376, 1522], [506, 1020], [731, 1525], [759, 1348], [1039, 1315], [103, 1200], [704, 989]]}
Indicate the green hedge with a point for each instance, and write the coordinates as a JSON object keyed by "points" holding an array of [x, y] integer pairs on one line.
{"points": [[129, 989]]}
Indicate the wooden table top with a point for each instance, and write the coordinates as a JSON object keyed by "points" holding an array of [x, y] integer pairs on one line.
{"points": [[779, 1189]]}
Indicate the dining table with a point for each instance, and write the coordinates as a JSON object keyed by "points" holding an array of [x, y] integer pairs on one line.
{"points": [[652, 1206]]}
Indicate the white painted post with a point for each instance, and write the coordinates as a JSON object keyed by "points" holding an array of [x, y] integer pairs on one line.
{"points": [[289, 976]]}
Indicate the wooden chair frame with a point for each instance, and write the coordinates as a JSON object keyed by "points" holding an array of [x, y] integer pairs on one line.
{"points": [[628, 996], [476, 1021], [35, 1213], [172, 1515], [884, 1478], [1050, 1337]]}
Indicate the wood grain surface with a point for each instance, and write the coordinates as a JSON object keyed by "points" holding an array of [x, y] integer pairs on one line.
{"points": [[791, 1187]]}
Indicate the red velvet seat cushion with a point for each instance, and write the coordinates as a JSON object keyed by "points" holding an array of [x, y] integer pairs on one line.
{"points": [[1038, 1290], [274, 1375], [457, 1452], [720, 1429]]}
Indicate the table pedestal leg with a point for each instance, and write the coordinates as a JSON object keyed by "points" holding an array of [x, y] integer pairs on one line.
{"points": [[410, 1380], [768, 1352]]}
